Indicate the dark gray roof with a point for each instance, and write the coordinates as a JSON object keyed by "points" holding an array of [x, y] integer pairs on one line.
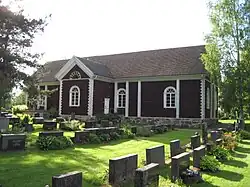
{"points": [[162, 62]]}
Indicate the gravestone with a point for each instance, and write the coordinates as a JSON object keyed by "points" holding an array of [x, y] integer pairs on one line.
{"points": [[28, 127], [3, 114], [81, 136], [218, 142], [148, 176], [14, 120], [4, 123], [204, 132], [179, 163], [13, 142], [38, 120], [156, 155], [214, 135], [195, 141], [72, 179], [198, 153], [175, 148], [90, 124], [59, 119], [49, 125], [122, 169], [209, 147], [51, 133], [220, 132], [72, 116]]}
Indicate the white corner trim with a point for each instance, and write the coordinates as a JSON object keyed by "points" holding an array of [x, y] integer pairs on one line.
{"points": [[202, 98], [60, 97], [139, 99], [46, 98], [215, 100], [38, 100], [115, 97], [91, 97], [177, 98], [70, 64], [127, 100]]}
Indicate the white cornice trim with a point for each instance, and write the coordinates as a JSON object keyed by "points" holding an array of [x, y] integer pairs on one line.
{"points": [[70, 64], [202, 98], [46, 99], [127, 100], [60, 97], [115, 97], [91, 97], [177, 98]]}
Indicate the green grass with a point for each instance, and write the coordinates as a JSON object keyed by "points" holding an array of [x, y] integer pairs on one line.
{"points": [[232, 121], [35, 168]]}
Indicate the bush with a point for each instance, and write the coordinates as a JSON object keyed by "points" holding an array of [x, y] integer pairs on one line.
{"points": [[209, 163], [127, 133], [221, 153], [93, 138], [19, 109], [144, 131], [245, 135], [105, 137], [72, 125], [24, 118], [229, 141], [52, 112], [53, 143], [114, 136]]}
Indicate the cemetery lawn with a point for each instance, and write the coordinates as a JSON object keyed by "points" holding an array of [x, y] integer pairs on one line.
{"points": [[35, 168], [231, 121]]}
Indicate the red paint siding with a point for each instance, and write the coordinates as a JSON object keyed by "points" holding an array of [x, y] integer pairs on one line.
{"points": [[152, 99], [83, 85], [133, 98], [53, 99], [102, 90], [76, 68], [190, 99]]}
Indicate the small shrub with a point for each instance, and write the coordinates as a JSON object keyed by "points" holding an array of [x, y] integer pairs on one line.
{"points": [[127, 133], [19, 109], [105, 137], [144, 131], [209, 163], [229, 141], [72, 125], [24, 118], [53, 143], [245, 135], [114, 136], [52, 112], [221, 153], [93, 138]]}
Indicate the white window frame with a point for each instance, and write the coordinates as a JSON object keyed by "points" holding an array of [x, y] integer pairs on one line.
{"points": [[71, 104], [118, 97], [165, 93], [208, 98]]}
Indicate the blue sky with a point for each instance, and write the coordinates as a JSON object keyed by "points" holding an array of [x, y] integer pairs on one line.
{"points": [[96, 27]]}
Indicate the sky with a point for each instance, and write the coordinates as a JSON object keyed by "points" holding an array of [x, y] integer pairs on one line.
{"points": [[98, 27]]}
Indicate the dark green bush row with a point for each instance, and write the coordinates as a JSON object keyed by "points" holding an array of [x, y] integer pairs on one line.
{"points": [[73, 125], [220, 153], [53, 143], [209, 163], [244, 134]]}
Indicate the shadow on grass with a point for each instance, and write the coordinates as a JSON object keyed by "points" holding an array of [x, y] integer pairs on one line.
{"points": [[228, 175], [238, 155], [236, 163], [243, 149], [245, 142]]}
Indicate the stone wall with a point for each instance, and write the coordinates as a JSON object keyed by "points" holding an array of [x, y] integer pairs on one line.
{"points": [[174, 122]]}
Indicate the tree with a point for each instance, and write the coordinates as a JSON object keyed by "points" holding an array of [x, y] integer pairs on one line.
{"points": [[19, 99], [17, 33], [230, 35]]}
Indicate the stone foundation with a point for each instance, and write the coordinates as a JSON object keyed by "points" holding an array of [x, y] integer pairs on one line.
{"points": [[174, 122]]}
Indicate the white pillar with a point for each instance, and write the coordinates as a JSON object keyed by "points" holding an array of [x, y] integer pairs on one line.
{"points": [[91, 97], [139, 99], [115, 97], [38, 100], [46, 97], [177, 98], [60, 97], [127, 99], [202, 96], [215, 100]]}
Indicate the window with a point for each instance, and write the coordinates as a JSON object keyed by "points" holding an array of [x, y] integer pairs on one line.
{"points": [[75, 75], [42, 100], [121, 94], [208, 98], [169, 97], [74, 96]]}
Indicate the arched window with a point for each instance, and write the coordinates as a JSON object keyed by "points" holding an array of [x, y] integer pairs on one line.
{"points": [[121, 98], [75, 75], [169, 97], [74, 96], [208, 98]]}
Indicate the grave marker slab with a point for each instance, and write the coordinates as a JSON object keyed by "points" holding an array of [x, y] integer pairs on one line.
{"points": [[198, 153], [38, 120], [156, 155], [51, 133], [148, 176], [175, 147], [214, 135], [195, 141], [49, 125], [219, 142], [4, 123], [209, 147], [204, 132], [72, 179], [81, 136], [122, 169], [179, 163], [13, 142]]}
